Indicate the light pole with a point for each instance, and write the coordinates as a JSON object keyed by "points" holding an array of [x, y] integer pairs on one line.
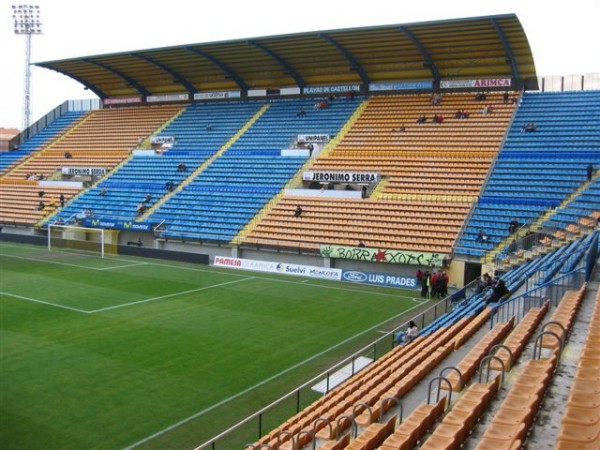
{"points": [[27, 21]]}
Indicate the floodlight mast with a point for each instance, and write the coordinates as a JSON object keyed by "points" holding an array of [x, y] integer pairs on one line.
{"points": [[27, 21]]}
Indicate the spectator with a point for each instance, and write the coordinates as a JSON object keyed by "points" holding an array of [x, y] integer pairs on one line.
{"points": [[443, 280], [68, 155], [589, 172], [310, 148], [411, 333], [41, 206], [41, 193], [425, 284], [361, 244], [487, 109], [169, 186], [505, 97], [438, 118], [480, 97], [436, 99], [422, 119], [298, 211], [181, 167], [482, 237], [529, 128], [209, 127], [301, 113], [513, 226], [141, 208], [498, 291], [419, 276], [52, 203], [62, 200], [103, 192], [148, 198]]}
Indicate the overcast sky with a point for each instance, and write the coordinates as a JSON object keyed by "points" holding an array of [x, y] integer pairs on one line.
{"points": [[563, 35]]}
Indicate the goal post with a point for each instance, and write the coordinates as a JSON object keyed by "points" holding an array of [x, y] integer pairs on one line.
{"points": [[73, 237]]}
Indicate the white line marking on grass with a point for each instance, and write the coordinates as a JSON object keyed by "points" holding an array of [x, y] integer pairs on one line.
{"points": [[56, 305], [162, 297], [49, 262], [262, 383], [123, 266]]}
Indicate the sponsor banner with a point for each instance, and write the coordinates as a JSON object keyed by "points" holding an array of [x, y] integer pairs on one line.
{"points": [[316, 138], [216, 95], [274, 267], [335, 89], [162, 140], [295, 152], [86, 171], [290, 91], [483, 83], [117, 224], [121, 100], [341, 177], [257, 93], [379, 279], [167, 98], [383, 256], [401, 86]]}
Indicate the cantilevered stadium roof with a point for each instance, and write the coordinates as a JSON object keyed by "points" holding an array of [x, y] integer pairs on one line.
{"points": [[481, 47]]}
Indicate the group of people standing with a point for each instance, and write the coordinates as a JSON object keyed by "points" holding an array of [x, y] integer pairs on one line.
{"points": [[433, 284]]}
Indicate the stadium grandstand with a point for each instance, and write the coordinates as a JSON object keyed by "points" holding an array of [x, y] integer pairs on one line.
{"points": [[381, 157]]}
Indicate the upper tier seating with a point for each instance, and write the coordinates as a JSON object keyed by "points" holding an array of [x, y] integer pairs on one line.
{"points": [[234, 187], [446, 162], [537, 170], [43, 137], [103, 138]]}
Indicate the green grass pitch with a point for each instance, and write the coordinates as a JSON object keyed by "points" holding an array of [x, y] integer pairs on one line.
{"points": [[140, 353]]}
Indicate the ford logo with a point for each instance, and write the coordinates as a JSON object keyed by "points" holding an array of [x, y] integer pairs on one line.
{"points": [[355, 276]]}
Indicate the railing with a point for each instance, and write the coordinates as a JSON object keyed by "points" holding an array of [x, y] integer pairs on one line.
{"points": [[552, 290]]}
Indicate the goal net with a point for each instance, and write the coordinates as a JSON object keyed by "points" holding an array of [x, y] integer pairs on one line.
{"points": [[96, 240]]}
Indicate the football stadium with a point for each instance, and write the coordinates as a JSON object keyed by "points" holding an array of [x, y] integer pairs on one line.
{"points": [[380, 237]]}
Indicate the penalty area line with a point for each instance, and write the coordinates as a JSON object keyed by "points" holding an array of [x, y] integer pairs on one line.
{"points": [[35, 300]]}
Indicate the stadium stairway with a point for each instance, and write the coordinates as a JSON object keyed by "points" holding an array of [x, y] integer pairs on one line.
{"points": [[205, 164]]}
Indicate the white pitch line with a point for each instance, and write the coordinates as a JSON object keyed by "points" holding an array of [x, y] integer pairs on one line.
{"points": [[44, 303], [123, 266], [261, 383], [49, 262], [162, 297]]}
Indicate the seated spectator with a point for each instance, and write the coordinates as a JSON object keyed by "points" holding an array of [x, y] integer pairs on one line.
{"points": [[301, 113], [298, 211], [148, 198], [181, 167], [41, 206], [498, 291], [505, 97], [103, 192], [68, 155], [52, 203], [141, 208], [438, 118], [169, 186], [482, 237], [360, 244], [400, 129], [480, 97], [41, 193], [422, 119], [487, 109], [513, 226], [530, 127], [88, 212], [411, 333], [436, 99]]}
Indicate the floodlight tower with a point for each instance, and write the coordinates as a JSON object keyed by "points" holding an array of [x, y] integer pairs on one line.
{"points": [[27, 22]]}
